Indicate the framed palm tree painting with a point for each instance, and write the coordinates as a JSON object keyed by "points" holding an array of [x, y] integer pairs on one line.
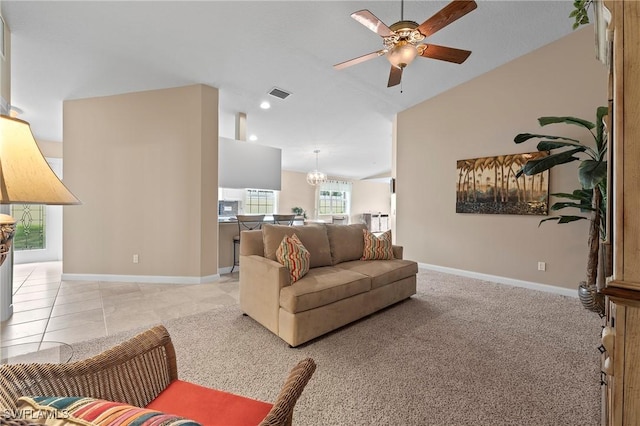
{"points": [[488, 185]]}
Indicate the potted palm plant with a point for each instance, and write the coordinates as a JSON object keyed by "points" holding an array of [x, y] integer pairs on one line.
{"points": [[590, 199]]}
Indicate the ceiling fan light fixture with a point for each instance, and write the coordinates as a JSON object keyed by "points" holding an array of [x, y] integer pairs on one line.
{"points": [[402, 54]]}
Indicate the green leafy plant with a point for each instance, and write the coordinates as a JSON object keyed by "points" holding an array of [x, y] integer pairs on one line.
{"points": [[299, 211], [591, 198], [580, 12]]}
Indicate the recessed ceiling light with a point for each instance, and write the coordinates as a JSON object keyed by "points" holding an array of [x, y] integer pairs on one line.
{"points": [[253, 138], [265, 105]]}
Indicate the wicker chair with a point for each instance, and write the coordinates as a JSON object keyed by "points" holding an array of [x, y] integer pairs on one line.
{"points": [[134, 372]]}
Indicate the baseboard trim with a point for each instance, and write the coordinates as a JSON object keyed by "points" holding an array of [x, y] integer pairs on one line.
{"points": [[502, 280], [152, 279], [227, 270]]}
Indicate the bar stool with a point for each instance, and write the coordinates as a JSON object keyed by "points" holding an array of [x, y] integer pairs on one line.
{"points": [[284, 219], [245, 223]]}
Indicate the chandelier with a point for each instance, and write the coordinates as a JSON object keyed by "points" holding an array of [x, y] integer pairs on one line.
{"points": [[315, 177]]}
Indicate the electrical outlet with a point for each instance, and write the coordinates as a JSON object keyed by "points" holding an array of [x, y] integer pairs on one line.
{"points": [[135, 258], [542, 266]]}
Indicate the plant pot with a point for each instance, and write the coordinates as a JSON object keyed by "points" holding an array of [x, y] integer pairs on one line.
{"points": [[590, 298]]}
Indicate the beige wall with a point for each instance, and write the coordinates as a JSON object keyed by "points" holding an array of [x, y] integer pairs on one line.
{"points": [[296, 192], [50, 149], [144, 166], [480, 118], [369, 197]]}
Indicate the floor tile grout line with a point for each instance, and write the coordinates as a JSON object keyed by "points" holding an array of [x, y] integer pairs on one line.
{"points": [[15, 290], [50, 313]]}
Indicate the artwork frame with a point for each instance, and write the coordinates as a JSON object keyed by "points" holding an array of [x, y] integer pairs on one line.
{"points": [[488, 185]]}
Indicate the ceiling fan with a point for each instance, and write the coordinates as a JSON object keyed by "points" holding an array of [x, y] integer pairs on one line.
{"points": [[402, 40]]}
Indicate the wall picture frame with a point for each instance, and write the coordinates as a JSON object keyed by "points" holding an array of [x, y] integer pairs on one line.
{"points": [[488, 185]]}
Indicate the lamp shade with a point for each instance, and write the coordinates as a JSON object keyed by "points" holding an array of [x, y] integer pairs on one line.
{"points": [[25, 175]]}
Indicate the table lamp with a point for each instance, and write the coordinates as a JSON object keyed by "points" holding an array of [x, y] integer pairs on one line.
{"points": [[25, 176]]}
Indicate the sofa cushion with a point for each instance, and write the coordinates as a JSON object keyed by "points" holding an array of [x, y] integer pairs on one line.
{"points": [[322, 286], [81, 411], [294, 256], [208, 406], [377, 247], [313, 237], [382, 272], [346, 242]]}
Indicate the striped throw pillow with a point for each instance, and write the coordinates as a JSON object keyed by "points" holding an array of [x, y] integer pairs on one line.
{"points": [[81, 411], [294, 256], [377, 248]]}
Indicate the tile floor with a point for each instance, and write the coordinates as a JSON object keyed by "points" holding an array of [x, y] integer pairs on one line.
{"points": [[48, 309]]}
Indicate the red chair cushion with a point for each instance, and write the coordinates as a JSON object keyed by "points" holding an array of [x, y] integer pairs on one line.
{"points": [[209, 407]]}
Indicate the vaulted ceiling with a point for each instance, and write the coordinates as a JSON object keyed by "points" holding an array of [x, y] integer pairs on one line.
{"points": [[77, 49]]}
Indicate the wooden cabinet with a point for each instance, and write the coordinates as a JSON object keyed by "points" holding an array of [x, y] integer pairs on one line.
{"points": [[620, 362], [621, 336]]}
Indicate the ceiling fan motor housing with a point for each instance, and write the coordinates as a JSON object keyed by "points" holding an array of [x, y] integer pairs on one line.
{"points": [[403, 31]]}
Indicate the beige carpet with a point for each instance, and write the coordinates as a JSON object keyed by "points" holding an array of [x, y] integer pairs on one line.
{"points": [[460, 352]]}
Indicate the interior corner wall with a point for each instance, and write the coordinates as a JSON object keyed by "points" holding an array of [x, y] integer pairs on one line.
{"points": [[478, 119], [144, 166]]}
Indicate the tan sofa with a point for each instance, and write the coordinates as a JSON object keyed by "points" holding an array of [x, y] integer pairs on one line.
{"points": [[338, 289]]}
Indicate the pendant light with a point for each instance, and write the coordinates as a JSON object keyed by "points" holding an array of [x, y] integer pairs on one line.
{"points": [[316, 177]]}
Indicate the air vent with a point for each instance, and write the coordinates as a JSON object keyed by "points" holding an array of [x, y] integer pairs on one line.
{"points": [[279, 93]]}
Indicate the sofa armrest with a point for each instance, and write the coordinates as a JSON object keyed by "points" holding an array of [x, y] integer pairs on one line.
{"points": [[135, 372], [260, 282], [398, 252]]}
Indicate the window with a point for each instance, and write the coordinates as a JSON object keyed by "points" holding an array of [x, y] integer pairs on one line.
{"points": [[333, 202], [259, 201], [334, 197], [30, 226]]}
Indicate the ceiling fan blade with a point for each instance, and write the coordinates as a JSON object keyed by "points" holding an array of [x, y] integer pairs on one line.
{"points": [[395, 75], [448, 54], [370, 21], [448, 14], [359, 59]]}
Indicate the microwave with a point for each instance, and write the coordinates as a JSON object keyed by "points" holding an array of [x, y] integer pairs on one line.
{"points": [[228, 208]]}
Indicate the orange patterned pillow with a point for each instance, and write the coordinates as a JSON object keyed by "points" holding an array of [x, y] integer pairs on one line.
{"points": [[377, 248], [294, 256]]}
